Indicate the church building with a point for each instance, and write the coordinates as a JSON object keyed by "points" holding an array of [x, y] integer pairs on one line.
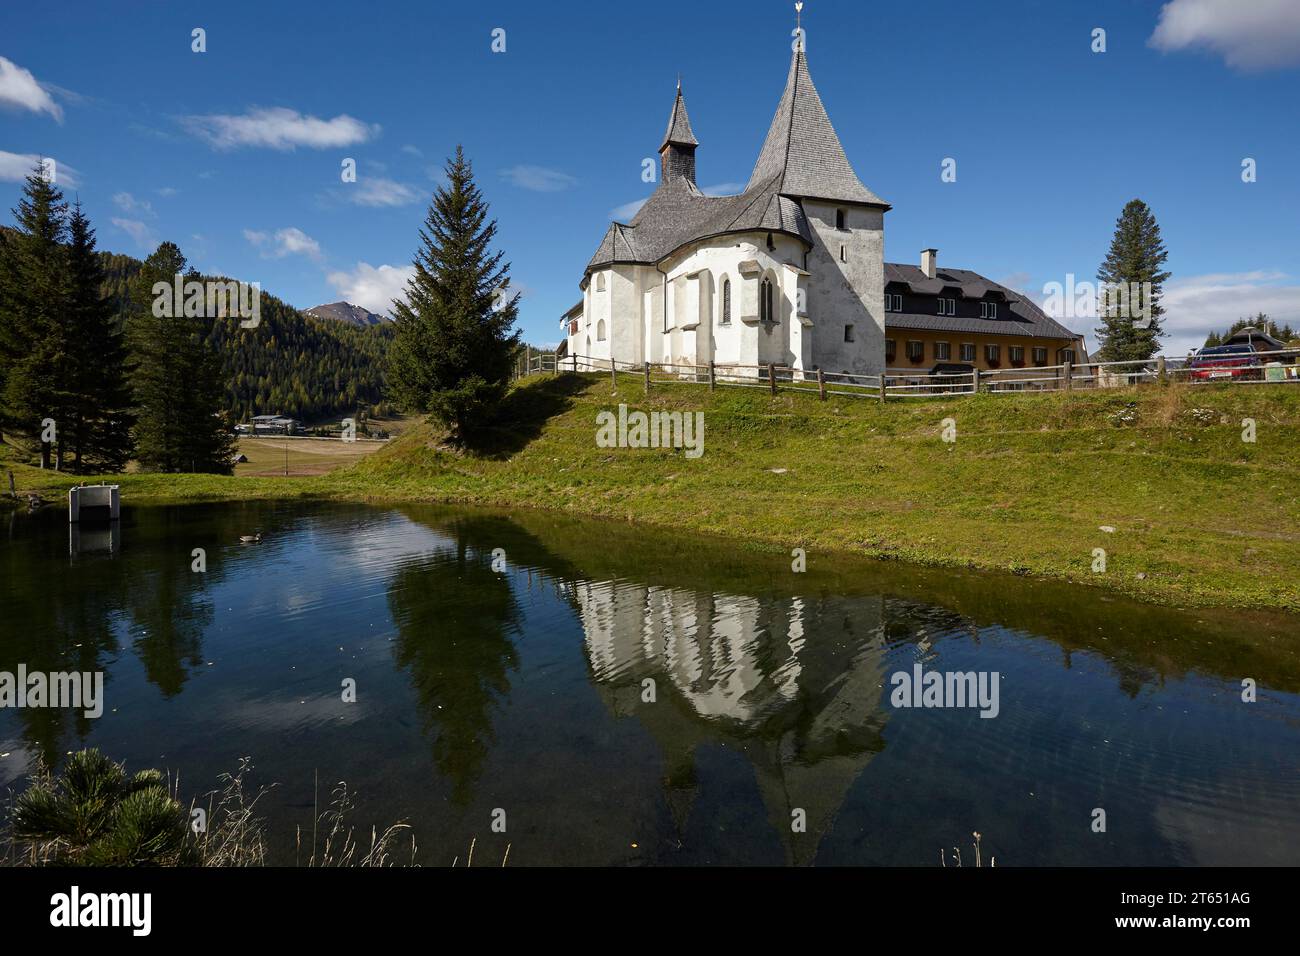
{"points": [[789, 272]]}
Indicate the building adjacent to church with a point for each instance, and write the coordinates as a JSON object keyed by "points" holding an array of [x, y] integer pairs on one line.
{"points": [[790, 272]]}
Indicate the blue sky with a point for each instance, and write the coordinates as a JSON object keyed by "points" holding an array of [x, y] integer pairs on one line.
{"points": [[235, 153]]}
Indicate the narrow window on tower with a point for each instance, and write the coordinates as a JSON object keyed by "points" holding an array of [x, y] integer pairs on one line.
{"points": [[839, 218]]}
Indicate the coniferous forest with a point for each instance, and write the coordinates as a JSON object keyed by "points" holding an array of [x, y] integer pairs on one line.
{"points": [[90, 377]]}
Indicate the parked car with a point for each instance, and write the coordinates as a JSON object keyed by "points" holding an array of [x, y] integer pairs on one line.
{"points": [[1236, 361]]}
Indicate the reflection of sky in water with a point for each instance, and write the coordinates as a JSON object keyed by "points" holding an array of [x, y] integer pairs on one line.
{"points": [[527, 691]]}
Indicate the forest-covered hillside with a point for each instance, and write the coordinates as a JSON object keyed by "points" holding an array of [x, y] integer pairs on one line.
{"points": [[291, 364]]}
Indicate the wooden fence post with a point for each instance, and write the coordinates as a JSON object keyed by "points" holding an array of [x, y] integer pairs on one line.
{"points": [[821, 385], [883, 385], [647, 378], [975, 381], [771, 376], [1160, 369], [713, 375], [528, 360], [574, 357], [1067, 371]]}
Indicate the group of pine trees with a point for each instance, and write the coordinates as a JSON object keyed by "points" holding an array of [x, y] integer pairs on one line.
{"points": [[90, 378], [64, 388], [1259, 321], [83, 387]]}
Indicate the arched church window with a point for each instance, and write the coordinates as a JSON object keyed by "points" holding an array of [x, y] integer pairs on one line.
{"points": [[600, 331], [600, 282], [726, 301], [765, 314]]}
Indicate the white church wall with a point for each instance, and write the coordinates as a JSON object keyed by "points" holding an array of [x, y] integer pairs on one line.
{"points": [[848, 291]]}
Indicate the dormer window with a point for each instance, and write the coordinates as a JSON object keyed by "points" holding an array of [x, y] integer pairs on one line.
{"points": [[839, 219], [893, 302], [988, 310], [947, 306]]}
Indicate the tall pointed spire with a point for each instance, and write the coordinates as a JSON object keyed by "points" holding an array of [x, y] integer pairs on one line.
{"points": [[802, 148], [677, 153]]}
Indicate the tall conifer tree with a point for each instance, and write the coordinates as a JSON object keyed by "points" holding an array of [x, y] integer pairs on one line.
{"points": [[1137, 256], [455, 342], [99, 429], [179, 391], [33, 295]]}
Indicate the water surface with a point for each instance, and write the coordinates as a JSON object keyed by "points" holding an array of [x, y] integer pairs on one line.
{"points": [[525, 690]]}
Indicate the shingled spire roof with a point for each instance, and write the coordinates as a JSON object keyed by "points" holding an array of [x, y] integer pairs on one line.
{"points": [[802, 149], [679, 124]]}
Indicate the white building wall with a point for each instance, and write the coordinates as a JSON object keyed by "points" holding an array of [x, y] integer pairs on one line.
{"points": [[852, 291]]}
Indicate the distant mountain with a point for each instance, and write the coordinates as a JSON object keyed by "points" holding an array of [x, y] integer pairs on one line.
{"points": [[346, 312]]}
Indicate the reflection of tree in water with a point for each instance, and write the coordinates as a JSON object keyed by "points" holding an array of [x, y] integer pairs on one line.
{"points": [[456, 621], [169, 614], [63, 613]]}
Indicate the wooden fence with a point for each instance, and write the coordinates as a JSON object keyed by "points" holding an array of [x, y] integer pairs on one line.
{"points": [[1276, 366]]}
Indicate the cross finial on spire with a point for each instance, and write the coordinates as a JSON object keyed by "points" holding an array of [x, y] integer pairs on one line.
{"points": [[679, 82], [798, 15]]}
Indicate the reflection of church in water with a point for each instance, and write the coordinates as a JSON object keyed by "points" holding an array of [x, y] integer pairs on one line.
{"points": [[743, 671]]}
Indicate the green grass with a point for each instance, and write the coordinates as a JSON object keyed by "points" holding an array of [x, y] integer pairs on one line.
{"points": [[1205, 517]]}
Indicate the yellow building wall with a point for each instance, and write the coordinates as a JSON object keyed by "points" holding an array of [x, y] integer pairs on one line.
{"points": [[901, 363]]}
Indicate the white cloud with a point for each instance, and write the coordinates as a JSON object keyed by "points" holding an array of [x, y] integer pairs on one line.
{"points": [[167, 192], [626, 211], [279, 128], [132, 206], [1198, 305], [1249, 34], [370, 287], [378, 191], [138, 231], [15, 167], [19, 89], [290, 241], [412, 150], [538, 179]]}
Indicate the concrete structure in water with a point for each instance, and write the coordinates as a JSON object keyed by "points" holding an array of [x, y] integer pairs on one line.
{"points": [[94, 496]]}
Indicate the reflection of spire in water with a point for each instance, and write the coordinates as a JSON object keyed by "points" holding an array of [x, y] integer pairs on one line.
{"points": [[795, 684]]}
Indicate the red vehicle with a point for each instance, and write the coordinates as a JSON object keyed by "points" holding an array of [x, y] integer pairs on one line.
{"points": [[1237, 361]]}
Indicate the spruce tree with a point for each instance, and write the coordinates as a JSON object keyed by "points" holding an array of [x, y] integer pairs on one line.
{"points": [[177, 382], [98, 431], [455, 340], [1137, 255], [33, 294]]}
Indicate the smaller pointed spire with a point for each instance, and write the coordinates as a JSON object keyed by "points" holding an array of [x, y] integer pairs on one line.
{"points": [[679, 124]]}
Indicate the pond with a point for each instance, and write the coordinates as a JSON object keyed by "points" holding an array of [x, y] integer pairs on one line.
{"points": [[617, 695]]}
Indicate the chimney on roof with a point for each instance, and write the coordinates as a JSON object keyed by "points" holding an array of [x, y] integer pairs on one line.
{"points": [[929, 262]]}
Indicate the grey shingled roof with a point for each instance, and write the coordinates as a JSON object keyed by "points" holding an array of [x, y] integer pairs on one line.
{"points": [[801, 157], [802, 148], [679, 124], [678, 213], [1018, 315]]}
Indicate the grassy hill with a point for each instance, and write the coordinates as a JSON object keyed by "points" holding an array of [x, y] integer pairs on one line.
{"points": [[1199, 516]]}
